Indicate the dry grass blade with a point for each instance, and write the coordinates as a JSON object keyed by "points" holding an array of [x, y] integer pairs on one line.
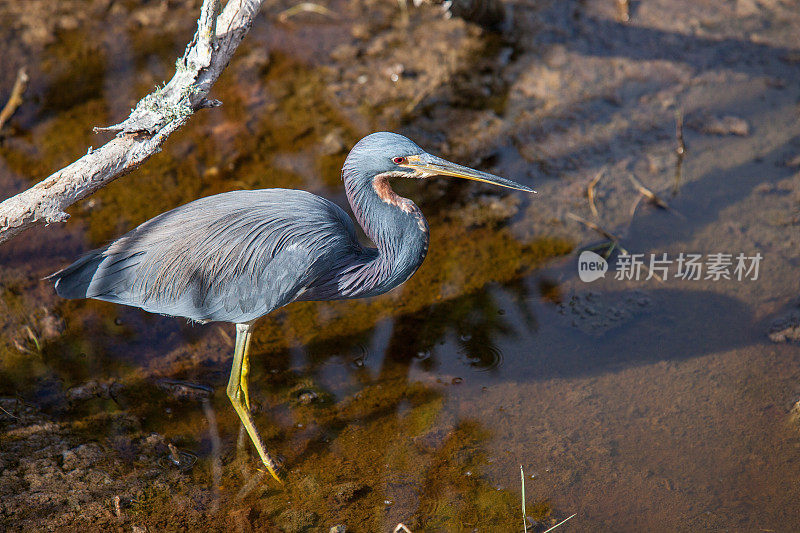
{"points": [[635, 205], [681, 148], [590, 191], [8, 413], [624, 10], [563, 521], [651, 197], [524, 514], [15, 100], [591, 225], [680, 151], [305, 7]]}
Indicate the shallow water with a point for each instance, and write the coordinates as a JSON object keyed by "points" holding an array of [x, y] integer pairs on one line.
{"points": [[637, 405]]}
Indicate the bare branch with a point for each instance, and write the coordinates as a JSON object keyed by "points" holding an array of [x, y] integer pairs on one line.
{"points": [[141, 135]]}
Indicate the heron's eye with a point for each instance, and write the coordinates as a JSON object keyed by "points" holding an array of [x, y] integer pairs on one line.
{"points": [[399, 160]]}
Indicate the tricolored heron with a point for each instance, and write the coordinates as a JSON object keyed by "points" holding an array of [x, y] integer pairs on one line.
{"points": [[237, 256]]}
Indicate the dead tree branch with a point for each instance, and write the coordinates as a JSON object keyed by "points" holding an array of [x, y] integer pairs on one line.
{"points": [[142, 134]]}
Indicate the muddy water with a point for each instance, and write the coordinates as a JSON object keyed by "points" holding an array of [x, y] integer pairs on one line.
{"points": [[638, 405]]}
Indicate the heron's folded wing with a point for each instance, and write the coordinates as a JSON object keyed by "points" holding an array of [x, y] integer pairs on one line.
{"points": [[230, 257]]}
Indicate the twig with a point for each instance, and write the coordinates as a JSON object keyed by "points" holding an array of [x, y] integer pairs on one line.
{"points": [[143, 133], [15, 100], [591, 225], [635, 205], [624, 10], [680, 151], [590, 191], [651, 197], [305, 7], [555, 526], [8, 413], [524, 514], [401, 527]]}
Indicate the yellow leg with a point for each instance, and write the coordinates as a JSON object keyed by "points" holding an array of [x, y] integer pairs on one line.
{"points": [[237, 392], [243, 384]]}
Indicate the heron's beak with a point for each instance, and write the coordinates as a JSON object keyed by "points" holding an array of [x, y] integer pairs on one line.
{"points": [[430, 165]]}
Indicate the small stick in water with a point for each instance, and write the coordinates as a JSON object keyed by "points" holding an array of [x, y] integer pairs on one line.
{"points": [[624, 10], [15, 100], [590, 191], [680, 151]]}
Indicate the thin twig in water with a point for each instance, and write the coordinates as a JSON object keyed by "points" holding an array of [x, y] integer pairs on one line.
{"points": [[305, 7], [524, 514], [591, 225], [635, 205], [590, 191], [651, 197], [680, 151], [624, 10], [34, 338], [9, 414], [15, 100], [555, 526]]}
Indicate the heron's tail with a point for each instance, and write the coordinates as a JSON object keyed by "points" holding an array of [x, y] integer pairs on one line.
{"points": [[74, 281], [97, 274]]}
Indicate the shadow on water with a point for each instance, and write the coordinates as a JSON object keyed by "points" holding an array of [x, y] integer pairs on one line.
{"points": [[592, 333]]}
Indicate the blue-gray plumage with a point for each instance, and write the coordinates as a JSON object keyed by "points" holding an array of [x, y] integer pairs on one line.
{"points": [[237, 256]]}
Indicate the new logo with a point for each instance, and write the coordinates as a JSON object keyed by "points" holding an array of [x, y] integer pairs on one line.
{"points": [[591, 266]]}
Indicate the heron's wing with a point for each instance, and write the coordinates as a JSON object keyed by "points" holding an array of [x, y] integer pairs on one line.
{"points": [[230, 257]]}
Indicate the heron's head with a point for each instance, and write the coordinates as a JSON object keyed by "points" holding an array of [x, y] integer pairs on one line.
{"points": [[390, 154]]}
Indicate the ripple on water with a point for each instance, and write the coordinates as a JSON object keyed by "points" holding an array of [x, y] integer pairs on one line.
{"points": [[360, 359], [482, 357]]}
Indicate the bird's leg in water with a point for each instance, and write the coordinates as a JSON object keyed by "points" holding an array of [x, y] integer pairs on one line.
{"points": [[241, 443], [243, 384], [237, 392]]}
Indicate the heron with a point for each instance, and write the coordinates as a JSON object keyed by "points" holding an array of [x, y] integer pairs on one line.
{"points": [[237, 256]]}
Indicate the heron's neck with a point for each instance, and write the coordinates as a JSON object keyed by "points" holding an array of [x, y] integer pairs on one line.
{"points": [[396, 226]]}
